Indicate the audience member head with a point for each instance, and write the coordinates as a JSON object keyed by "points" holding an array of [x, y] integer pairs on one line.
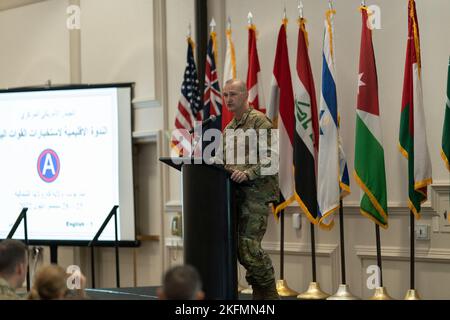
{"points": [[181, 283], [50, 283], [13, 262]]}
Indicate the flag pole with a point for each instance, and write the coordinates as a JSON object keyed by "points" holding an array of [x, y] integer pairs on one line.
{"points": [[378, 243], [412, 293], [313, 253], [313, 292], [343, 292], [282, 245], [380, 292], [341, 235], [282, 286], [412, 258]]}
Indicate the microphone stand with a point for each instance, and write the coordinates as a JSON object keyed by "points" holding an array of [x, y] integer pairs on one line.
{"points": [[116, 245], [22, 215]]}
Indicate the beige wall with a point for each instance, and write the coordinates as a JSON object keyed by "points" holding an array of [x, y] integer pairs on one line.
{"points": [[390, 46], [145, 41], [35, 45]]}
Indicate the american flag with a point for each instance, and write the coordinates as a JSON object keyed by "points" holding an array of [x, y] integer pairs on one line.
{"points": [[189, 105], [212, 98]]}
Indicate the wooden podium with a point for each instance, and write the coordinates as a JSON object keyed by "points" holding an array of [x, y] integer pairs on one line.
{"points": [[209, 226]]}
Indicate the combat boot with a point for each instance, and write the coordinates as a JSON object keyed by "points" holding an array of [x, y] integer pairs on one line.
{"points": [[270, 292], [258, 293]]}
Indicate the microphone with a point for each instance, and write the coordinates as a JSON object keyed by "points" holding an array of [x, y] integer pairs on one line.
{"points": [[205, 122]]}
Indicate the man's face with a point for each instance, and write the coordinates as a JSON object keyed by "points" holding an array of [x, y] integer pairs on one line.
{"points": [[235, 98]]}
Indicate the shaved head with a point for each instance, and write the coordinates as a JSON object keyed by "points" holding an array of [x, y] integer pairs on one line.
{"points": [[238, 84], [235, 95]]}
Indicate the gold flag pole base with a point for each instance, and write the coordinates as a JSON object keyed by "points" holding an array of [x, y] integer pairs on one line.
{"points": [[248, 290], [412, 294], [381, 294], [313, 293], [284, 290], [343, 293]]}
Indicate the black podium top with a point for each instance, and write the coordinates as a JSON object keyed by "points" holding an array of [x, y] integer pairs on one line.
{"points": [[178, 162]]}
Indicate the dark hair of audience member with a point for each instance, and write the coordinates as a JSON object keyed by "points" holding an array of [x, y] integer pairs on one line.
{"points": [[181, 283], [12, 253]]}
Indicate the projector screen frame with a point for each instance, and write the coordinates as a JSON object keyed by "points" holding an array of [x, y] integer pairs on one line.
{"points": [[84, 243]]}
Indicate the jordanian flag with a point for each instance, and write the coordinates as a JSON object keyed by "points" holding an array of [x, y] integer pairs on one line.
{"points": [[413, 139], [306, 134], [369, 153], [445, 152]]}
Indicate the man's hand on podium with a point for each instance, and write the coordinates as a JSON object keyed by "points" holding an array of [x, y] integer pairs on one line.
{"points": [[239, 176]]}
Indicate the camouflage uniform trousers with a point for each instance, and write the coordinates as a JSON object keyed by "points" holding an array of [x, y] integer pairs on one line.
{"points": [[252, 224]]}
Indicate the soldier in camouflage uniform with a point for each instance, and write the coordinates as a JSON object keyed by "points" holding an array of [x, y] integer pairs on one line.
{"points": [[13, 268], [252, 197]]}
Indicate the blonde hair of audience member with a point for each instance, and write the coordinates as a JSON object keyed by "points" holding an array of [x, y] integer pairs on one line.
{"points": [[181, 283], [50, 283]]}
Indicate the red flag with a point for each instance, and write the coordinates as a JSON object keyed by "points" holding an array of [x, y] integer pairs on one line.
{"points": [[306, 134], [281, 107], [413, 139], [254, 83]]}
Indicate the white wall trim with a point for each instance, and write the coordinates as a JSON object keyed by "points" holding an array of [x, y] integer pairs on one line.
{"points": [[329, 251], [430, 207], [402, 254], [145, 136], [393, 210], [439, 191], [145, 103], [173, 206], [301, 249], [441, 187]]}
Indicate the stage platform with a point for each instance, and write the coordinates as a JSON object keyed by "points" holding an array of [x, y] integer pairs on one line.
{"points": [[140, 293]]}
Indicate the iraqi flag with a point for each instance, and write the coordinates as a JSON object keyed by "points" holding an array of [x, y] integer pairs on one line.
{"points": [[369, 152], [306, 134], [281, 111], [413, 138]]}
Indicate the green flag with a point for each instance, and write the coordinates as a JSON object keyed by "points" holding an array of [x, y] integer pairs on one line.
{"points": [[413, 137], [369, 152]]}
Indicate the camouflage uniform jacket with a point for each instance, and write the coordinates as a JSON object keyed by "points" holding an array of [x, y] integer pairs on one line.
{"points": [[264, 187], [6, 292]]}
